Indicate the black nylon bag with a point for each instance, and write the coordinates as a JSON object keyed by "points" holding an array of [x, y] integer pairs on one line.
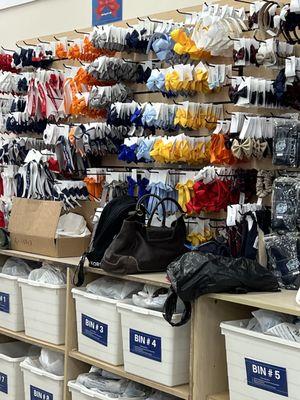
{"points": [[108, 227], [196, 274]]}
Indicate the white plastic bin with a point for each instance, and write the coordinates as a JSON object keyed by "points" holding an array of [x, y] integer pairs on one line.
{"points": [[260, 366], [11, 307], [98, 327], [11, 381], [153, 349], [79, 392], [44, 307], [40, 384]]}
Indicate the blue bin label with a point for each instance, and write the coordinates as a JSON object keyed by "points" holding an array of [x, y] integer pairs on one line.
{"points": [[95, 330], [39, 394], [3, 383], [145, 345], [4, 302], [267, 377]]}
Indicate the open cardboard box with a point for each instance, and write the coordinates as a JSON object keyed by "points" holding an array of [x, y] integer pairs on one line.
{"points": [[33, 225]]}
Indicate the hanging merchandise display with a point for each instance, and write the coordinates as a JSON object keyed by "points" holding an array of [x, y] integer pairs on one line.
{"points": [[175, 140], [153, 164]]}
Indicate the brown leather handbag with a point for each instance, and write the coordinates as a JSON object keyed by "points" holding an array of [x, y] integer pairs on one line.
{"points": [[141, 248]]}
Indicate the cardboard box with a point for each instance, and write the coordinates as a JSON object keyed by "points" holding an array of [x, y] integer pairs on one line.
{"points": [[33, 225]]}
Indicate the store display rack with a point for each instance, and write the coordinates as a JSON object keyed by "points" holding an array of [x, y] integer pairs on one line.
{"points": [[208, 372]]}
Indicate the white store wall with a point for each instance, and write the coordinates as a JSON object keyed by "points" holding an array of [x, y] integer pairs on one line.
{"points": [[44, 17]]}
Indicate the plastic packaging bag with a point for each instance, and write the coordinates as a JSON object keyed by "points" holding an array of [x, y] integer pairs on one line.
{"points": [[113, 288], [49, 274], [286, 144], [48, 361], [16, 267], [112, 385], [283, 257], [94, 380], [275, 324], [105, 374], [18, 349], [268, 319], [196, 274], [72, 225], [52, 362], [285, 196], [151, 297], [157, 395]]}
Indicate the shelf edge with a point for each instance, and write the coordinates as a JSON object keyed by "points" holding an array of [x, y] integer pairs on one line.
{"points": [[181, 391]]}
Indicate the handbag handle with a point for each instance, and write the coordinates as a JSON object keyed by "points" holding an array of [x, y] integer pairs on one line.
{"points": [[147, 196], [161, 203]]}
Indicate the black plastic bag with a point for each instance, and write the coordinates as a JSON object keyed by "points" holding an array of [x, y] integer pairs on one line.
{"points": [[196, 274]]}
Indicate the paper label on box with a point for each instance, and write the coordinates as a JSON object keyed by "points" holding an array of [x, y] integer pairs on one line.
{"points": [[39, 394], [3, 383], [4, 302], [94, 330], [145, 345], [267, 377]]}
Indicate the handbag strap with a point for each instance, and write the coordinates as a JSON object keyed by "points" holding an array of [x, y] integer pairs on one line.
{"points": [[161, 203], [78, 277], [170, 309], [147, 196]]}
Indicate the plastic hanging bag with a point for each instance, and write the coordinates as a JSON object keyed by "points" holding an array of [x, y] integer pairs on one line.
{"points": [[16, 267], [113, 288], [286, 144], [285, 208], [49, 273], [283, 257]]}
